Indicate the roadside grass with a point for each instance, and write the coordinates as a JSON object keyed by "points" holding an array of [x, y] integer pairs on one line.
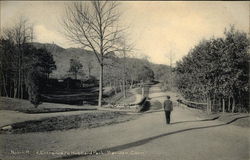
{"points": [[243, 122], [119, 99], [26, 107], [85, 120], [241, 119], [130, 98]]}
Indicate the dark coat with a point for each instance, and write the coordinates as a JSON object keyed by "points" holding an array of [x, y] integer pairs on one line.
{"points": [[168, 105]]}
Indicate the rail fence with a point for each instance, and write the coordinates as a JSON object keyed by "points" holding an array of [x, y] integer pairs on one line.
{"points": [[195, 105]]}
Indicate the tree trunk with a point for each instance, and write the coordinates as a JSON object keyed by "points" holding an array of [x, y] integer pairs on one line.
{"points": [[233, 105], [19, 75], [229, 104], [22, 75], [208, 105], [15, 92], [4, 86], [21, 89], [121, 89], [124, 74], [115, 87], [213, 106], [219, 104], [15, 88], [100, 86], [132, 83], [223, 105], [124, 88], [10, 90], [142, 89]]}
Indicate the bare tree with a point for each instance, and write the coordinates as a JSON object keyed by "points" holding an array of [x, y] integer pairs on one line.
{"points": [[125, 48], [19, 34], [94, 26]]}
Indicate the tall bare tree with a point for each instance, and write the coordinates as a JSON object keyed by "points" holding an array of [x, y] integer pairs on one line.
{"points": [[125, 49], [19, 34], [94, 25]]}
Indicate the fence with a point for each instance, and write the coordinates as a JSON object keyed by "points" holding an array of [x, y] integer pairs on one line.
{"points": [[195, 105]]}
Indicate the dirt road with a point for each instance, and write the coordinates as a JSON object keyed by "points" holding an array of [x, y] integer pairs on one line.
{"points": [[148, 137]]}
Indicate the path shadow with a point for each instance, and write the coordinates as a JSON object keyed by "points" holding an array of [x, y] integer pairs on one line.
{"points": [[146, 106], [142, 141], [210, 119]]}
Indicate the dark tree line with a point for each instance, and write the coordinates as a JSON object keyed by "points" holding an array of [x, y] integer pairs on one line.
{"points": [[23, 68], [216, 71]]}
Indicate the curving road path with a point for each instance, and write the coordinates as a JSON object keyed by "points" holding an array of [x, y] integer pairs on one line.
{"points": [[189, 137]]}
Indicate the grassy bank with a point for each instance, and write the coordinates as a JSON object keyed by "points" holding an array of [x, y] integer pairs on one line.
{"points": [[119, 99], [66, 122], [26, 107], [89, 119]]}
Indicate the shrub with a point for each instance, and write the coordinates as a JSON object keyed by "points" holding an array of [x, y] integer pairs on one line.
{"points": [[33, 82]]}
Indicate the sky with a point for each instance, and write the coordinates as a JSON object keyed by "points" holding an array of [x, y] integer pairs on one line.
{"points": [[157, 29]]}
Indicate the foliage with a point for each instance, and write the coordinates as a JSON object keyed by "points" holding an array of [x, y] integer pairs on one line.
{"points": [[136, 71], [75, 67], [45, 61], [166, 75], [33, 83], [145, 73], [36, 66], [216, 69]]}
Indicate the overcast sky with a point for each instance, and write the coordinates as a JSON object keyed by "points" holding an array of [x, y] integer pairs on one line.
{"points": [[155, 28]]}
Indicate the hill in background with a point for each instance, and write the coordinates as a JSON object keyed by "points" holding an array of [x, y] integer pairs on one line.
{"points": [[62, 58]]}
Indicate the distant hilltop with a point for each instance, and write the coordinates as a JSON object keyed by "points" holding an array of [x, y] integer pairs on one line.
{"points": [[62, 58]]}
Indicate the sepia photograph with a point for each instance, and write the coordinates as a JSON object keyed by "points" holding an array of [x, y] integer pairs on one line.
{"points": [[124, 80]]}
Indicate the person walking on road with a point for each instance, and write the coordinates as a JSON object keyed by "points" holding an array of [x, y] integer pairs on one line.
{"points": [[168, 108]]}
